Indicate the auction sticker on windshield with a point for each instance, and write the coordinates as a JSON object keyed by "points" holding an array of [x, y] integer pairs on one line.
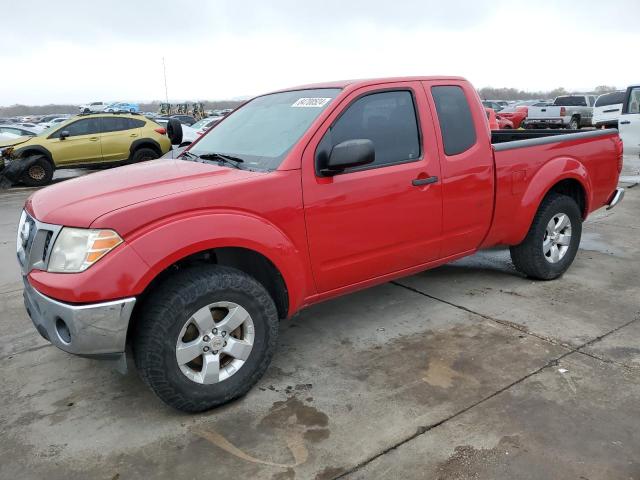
{"points": [[311, 102]]}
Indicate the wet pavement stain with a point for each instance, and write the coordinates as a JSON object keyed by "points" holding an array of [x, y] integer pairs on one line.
{"points": [[282, 412], [469, 462], [290, 419]]}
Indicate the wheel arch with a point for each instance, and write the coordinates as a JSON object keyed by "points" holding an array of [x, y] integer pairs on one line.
{"points": [[145, 143], [251, 262], [570, 177], [34, 150]]}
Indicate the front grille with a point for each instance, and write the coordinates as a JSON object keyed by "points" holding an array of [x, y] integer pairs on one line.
{"points": [[47, 244], [34, 241]]}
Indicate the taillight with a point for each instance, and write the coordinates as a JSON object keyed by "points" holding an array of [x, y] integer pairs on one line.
{"points": [[160, 130], [620, 154], [563, 111]]}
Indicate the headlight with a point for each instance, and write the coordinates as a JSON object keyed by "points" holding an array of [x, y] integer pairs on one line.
{"points": [[5, 152], [76, 249]]}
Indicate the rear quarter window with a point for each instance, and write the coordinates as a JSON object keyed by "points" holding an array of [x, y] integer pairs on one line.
{"points": [[454, 115]]}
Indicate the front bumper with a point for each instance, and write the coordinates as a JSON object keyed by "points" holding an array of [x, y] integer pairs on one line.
{"points": [[97, 329], [616, 198]]}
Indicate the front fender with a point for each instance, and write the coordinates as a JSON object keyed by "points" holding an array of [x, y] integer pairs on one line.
{"points": [[550, 174], [163, 245]]}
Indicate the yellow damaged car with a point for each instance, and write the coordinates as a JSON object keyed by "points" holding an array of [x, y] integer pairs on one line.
{"points": [[86, 140]]}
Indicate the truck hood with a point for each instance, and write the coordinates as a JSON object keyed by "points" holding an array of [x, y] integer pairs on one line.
{"points": [[78, 202]]}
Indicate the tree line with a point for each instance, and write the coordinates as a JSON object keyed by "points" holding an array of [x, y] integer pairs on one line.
{"points": [[21, 110], [491, 93]]}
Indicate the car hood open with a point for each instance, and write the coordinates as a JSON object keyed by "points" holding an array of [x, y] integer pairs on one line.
{"points": [[78, 202]]}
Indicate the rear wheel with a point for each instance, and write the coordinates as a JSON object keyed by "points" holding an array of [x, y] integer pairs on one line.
{"points": [[205, 337], [553, 239], [144, 154], [38, 171], [574, 124]]}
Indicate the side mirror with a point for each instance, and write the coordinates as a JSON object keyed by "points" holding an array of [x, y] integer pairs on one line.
{"points": [[348, 154], [64, 134]]}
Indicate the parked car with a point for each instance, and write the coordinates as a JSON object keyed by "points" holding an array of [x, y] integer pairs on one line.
{"points": [[185, 119], [6, 138], [515, 114], [495, 106], [567, 111], [205, 124], [88, 140], [122, 107], [93, 107], [195, 261], [629, 121], [48, 118], [19, 130], [607, 109], [496, 122], [53, 123]]}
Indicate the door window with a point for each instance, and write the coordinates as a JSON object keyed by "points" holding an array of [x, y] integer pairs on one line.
{"points": [[634, 101], [87, 126], [388, 119], [454, 116], [117, 124]]}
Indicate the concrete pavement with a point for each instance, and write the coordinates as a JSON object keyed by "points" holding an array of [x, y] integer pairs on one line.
{"points": [[466, 371]]}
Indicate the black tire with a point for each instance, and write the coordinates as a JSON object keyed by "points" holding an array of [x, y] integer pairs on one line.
{"points": [[574, 123], [38, 171], [529, 257], [143, 154], [174, 131], [170, 306]]}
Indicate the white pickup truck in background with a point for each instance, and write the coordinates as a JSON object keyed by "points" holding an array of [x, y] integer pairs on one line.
{"points": [[567, 111], [629, 121]]}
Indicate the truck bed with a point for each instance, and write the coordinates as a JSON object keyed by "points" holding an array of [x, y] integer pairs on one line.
{"points": [[504, 139], [525, 160]]}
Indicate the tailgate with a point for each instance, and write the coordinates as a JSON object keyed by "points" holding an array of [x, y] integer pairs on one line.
{"points": [[543, 112]]}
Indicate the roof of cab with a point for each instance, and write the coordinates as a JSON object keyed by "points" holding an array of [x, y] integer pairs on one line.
{"points": [[357, 83]]}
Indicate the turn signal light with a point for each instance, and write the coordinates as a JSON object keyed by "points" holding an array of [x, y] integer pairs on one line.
{"points": [[160, 130]]}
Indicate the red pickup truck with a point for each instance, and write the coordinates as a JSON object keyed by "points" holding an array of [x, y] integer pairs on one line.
{"points": [[296, 197]]}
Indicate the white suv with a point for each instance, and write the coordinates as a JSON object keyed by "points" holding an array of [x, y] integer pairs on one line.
{"points": [[607, 109], [93, 107]]}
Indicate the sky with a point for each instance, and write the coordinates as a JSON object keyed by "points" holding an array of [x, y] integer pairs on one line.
{"points": [[76, 52]]}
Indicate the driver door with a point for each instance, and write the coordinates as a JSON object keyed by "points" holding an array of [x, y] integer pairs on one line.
{"points": [[629, 122], [380, 218], [81, 146]]}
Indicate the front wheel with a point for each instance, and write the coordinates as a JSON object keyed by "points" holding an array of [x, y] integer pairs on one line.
{"points": [[205, 337], [553, 239], [38, 171]]}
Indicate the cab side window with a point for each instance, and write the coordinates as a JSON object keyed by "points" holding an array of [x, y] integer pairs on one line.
{"points": [[454, 115], [388, 119]]}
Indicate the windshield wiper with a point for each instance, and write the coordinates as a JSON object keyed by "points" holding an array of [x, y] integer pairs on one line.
{"points": [[223, 158], [187, 154]]}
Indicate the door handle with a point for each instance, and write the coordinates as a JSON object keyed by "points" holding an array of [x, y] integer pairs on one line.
{"points": [[417, 182], [625, 122], [93, 139]]}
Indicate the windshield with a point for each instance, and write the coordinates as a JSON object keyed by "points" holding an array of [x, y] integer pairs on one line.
{"points": [[264, 130]]}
